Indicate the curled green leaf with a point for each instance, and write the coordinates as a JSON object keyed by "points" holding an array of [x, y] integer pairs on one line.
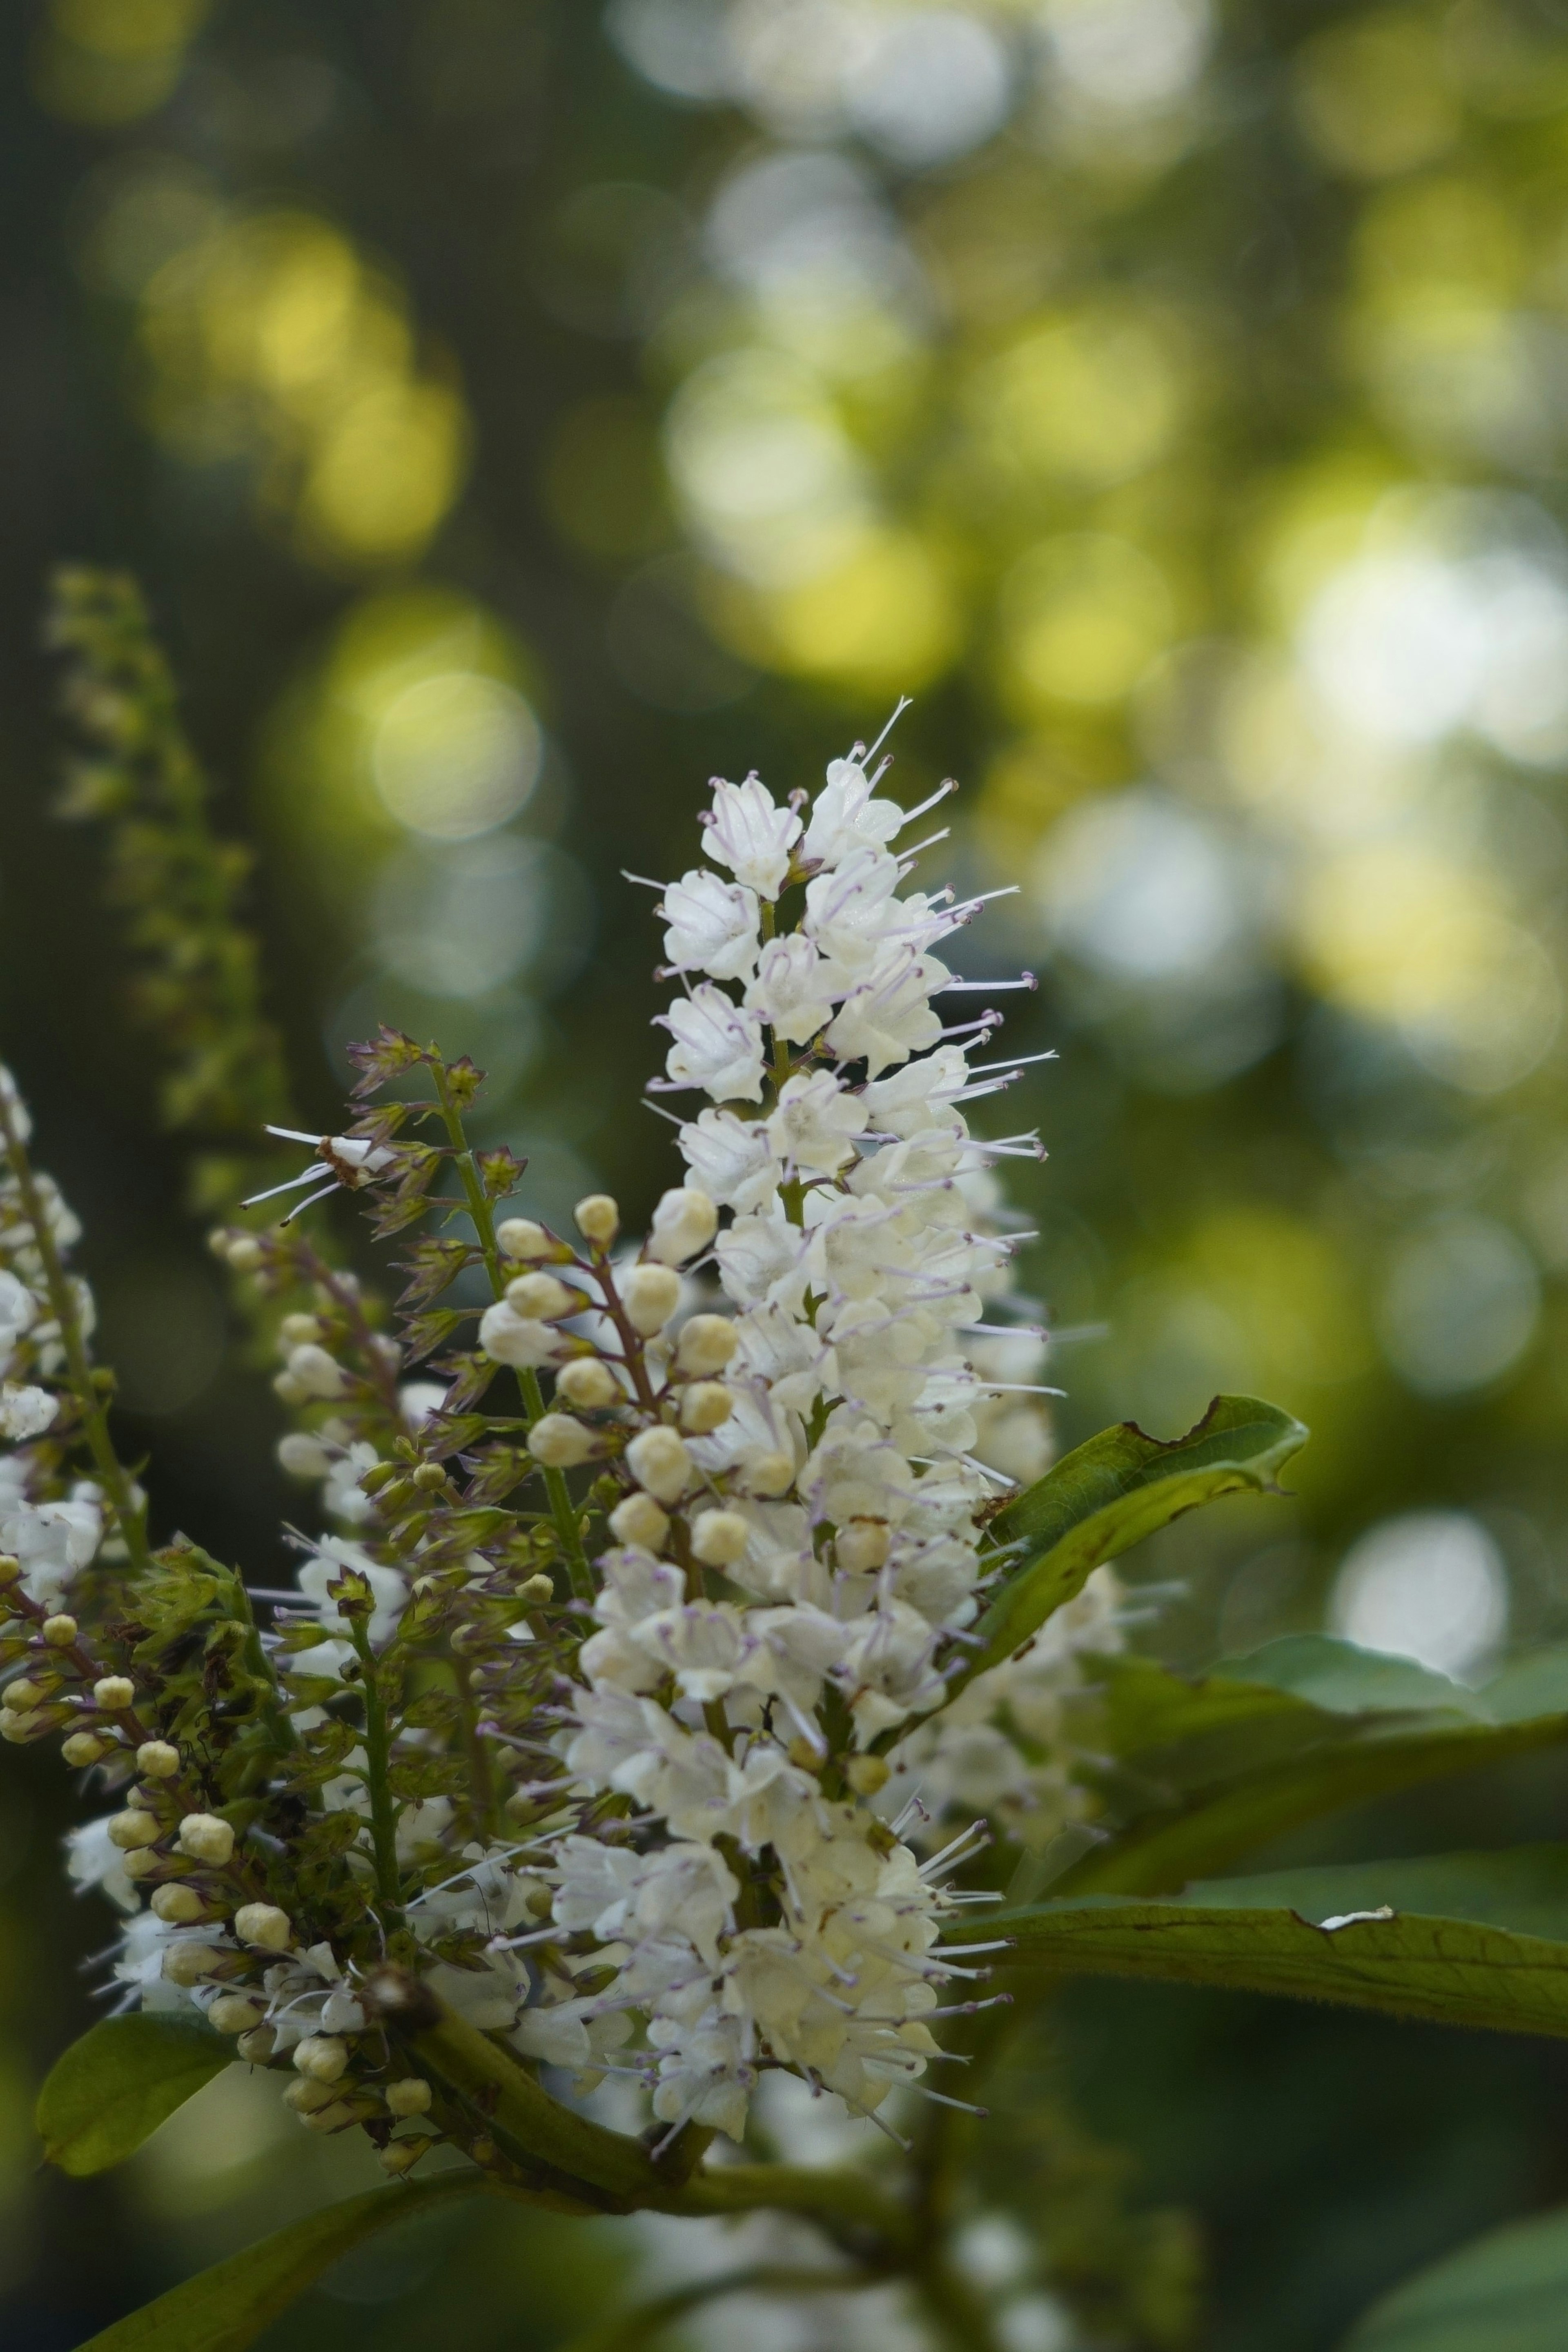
{"points": [[110, 2090]]}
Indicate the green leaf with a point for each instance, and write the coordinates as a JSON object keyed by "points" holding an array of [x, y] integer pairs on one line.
{"points": [[1506, 2292], [1249, 1935], [1205, 1771], [1109, 1493], [109, 2091], [226, 2308]]}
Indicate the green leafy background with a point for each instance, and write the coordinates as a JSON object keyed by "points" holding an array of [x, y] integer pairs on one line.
{"points": [[1129, 437]]}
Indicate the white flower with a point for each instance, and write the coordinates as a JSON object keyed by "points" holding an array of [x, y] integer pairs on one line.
{"points": [[18, 1313], [851, 911], [518, 1339], [761, 1261], [92, 1861], [389, 1589], [794, 989], [889, 1016], [713, 926], [718, 1045], [844, 816], [26, 1412], [747, 833], [814, 1123], [54, 1541], [731, 1160]]}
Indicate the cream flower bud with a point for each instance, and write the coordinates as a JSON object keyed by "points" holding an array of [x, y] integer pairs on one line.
{"points": [[140, 1862], [560, 1442], [542, 1299], [520, 1237], [112, 1693], [409, 2096], [321, 2057], [720, 1538], [299, 1330], [309, 2098], [639, 1520], [598, 1219], [254, 2044], [206, 1838], [517, 1339], [706, 1405], [319, 1374], [587, 1382], [10, 1567], [187, 1964], [659, 1462], [862, 1545], [768, 1474], [82, 1748], [288, 1391], [684, 1222], [400, 2156], [264, 1924], [18, 1728], [245, 1253], [650, 1294], [302, 1456], [132, 1828], [177, 1905], [867, 1774], [706, 1344], [538, 1588], [233, 2013], [24, 1694], [58, 1631], [158, 1759]]}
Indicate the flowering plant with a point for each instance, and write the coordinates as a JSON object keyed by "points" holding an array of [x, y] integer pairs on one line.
{"points": [[718, 1717]]}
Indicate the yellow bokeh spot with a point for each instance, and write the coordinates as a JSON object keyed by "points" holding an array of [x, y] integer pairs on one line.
{"points": [[1283, 1283], [272, 338], [1374, 96], [1451, 234], [108, 61], [1083, 616], [1085, 400], [884, 617]]}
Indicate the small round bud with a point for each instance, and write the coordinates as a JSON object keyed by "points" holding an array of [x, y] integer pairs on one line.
{"points": [[82, 1748], [861, 1545], [429, 1477], [321, 2057], [588, 1383], [307, 2097], [23, 1694], [650, 1294], [299, 1330], [560, 1442], [706, 1405], [538, 1588], [639, 1520], [319, 1374], [177, 1905], [141, 1861], [264, 1924], [233, 2013], [206, 1838], [411, 2096], [302, 1456], [543, 1297], [114, 1693], [483, 2151], [256, 2044], [10, 1567], [706, 1344], [18, 1728], [401, 2155], [802, 1752], [684, 1222], [720, 1538], [598, 1219], [518, 1339], [187, 1964], [158, 1759], [867, 1774], [217, 1240], [288, 1391], [245, 1253], [768, 1474], [659, 1462], [132, 1828], [59, 1631], [520, 1237]]}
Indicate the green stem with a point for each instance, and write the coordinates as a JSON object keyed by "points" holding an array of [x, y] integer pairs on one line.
{"points": [[479, 1773], [377, 1778], [130, 1514], [562, 1509]]}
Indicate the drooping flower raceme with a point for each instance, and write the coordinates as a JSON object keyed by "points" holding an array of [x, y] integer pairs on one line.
{"points": [[616, 1715]]}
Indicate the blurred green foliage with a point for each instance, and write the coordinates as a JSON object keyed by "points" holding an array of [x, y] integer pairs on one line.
{"points": [[519, 409]]}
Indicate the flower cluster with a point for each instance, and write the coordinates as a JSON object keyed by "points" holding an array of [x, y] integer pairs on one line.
{"points": [[617, 1716]]}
